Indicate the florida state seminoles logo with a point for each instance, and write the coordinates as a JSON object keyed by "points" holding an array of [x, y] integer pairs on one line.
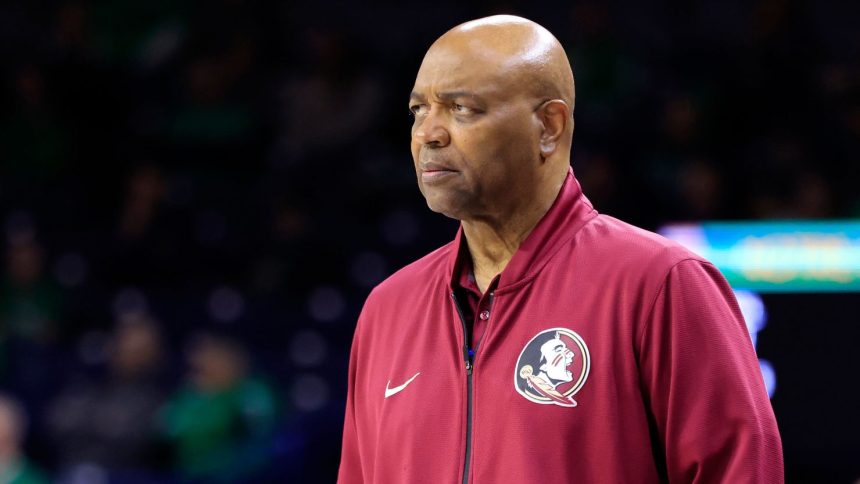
{"points": [[552, 367]]}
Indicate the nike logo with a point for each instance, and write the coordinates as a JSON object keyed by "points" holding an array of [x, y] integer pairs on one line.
{"points": [[397, 389]]}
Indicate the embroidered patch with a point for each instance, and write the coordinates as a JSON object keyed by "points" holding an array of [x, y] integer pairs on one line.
{"points": [[552, 367]]}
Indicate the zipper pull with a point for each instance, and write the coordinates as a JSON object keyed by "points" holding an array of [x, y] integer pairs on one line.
{"points": [[468, 367]]}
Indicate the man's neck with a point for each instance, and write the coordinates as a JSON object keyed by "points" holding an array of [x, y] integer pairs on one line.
{"points": [[491, 250], [492, 242]]}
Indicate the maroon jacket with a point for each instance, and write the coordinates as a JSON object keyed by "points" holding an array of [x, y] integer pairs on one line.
{"points": [[610, 355]]}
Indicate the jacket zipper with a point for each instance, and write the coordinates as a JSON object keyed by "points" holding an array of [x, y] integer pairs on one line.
{"points": [[469, 366]]}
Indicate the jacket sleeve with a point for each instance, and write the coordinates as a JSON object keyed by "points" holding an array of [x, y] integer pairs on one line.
{"points": [[350, 471], [703, 385]]}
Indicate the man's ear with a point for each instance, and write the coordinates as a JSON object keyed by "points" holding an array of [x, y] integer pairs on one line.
{"points": [[553, 116]]}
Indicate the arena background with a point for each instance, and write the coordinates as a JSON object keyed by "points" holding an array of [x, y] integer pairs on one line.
{"points": [[196, 198]]}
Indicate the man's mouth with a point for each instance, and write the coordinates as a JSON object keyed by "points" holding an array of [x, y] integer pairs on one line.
{"points": [[433, 171]]}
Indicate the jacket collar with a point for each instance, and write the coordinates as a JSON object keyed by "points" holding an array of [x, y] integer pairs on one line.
{"points": [[568, 213]]}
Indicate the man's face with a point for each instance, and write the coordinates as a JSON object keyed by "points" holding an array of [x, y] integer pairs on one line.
{"points": [[475, 135], [558, 357]]}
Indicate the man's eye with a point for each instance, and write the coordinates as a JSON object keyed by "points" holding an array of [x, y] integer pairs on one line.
{"points": [[417, 109], [459, 108]]}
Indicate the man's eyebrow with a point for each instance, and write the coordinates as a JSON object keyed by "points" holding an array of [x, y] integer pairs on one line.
{"points": [[445, 96]]}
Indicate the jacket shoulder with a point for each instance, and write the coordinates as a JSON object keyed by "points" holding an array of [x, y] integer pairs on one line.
{"points": [[413, 277], [622, 242]]}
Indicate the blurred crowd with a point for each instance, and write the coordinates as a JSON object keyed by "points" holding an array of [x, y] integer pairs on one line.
{"points": [[197, 197]]}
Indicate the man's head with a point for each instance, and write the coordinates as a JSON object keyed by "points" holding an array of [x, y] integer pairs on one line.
{"points": [[217, 362], [493, 103], [555, 359], [136, 347]]}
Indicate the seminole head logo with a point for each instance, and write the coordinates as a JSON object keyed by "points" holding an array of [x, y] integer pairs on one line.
{"points": [[552, 367]]}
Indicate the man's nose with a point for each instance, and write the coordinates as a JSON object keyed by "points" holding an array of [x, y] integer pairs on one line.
{"points": [[431, 130]]}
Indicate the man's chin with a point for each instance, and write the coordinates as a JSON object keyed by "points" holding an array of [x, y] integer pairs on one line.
{"points": [[444, 206]]}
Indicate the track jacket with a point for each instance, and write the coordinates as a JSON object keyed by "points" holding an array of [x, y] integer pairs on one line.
{"points": [[609, 355]]}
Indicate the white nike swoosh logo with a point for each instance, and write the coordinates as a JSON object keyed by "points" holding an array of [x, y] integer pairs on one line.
{"points": [[397, 389]]}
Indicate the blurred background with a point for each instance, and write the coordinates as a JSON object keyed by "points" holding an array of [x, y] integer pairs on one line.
{"points": [[196, 198]]}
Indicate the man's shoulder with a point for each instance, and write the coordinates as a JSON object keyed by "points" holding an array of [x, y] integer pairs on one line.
{"points": [[414, 276], [619, 240]]}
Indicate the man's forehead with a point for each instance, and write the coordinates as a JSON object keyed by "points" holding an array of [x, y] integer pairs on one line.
{"points": [[553, 343], [460, 72], [454, 87]]}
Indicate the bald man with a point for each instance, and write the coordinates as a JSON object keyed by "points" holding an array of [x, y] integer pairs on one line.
{"points": [[546, 343]]}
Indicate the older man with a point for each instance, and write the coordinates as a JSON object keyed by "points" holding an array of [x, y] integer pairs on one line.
{"points": [[451, 374]]}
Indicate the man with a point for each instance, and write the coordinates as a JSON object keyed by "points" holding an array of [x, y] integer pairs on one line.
{"points": [[443, 385], [221, 421], [109, 421], [15, 467]]}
